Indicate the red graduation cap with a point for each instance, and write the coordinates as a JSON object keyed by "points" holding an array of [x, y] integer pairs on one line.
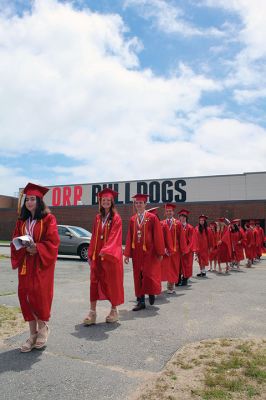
{"points": [[213, 223], [183, 212], [221, 219], [154, 210], [170, 206], [31, 189], [252, 221], [235, 221], [203, 217], [140, 197], [107, 192]]}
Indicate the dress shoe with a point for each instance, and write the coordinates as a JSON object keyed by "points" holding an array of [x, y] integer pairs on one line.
{"points": [[139, 306], [151, 299]]}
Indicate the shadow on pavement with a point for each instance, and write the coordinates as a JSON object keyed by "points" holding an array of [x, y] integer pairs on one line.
{"points": [[14, 360], [95, 332]]}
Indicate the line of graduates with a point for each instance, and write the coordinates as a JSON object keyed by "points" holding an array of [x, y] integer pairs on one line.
{"points": [[161, 251]]}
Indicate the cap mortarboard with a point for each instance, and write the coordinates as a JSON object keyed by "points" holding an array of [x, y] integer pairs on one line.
{"points": [[235, 221], [221, 219], [140, 197], [183, 212], [203, 216], [107, 192], [153, 210], [170, 206], [31, 189]]}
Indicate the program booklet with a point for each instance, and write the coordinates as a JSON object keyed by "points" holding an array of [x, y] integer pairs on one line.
{"points": [[22, 241]]}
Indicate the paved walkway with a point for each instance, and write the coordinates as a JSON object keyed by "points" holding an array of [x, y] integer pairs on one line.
{"points": [[109, 361]]}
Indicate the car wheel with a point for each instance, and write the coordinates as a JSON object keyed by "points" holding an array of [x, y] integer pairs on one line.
{"points": [[83, 252]]}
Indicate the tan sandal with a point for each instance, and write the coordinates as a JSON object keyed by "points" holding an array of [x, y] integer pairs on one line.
{"points": [[112, 317], [29, 344], [42, 337], [90, 319]]}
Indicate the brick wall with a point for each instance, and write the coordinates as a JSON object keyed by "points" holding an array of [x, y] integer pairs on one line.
{"points": [[84, 215]]}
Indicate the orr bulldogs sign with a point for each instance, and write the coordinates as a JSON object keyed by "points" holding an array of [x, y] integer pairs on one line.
{"points": [[161, 191], [247, 186]]}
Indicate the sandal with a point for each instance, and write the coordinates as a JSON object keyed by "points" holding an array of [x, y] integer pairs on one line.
{"points": [[90, 319], [29, 344], [113, 316], [42, 337]]}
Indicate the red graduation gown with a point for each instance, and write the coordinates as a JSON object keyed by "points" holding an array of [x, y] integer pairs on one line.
{"points": [[250, 244], [203, 243], [36, 286], [224, 249], [107, 274], [145, 252], [187, 251], [171, 264], [213, 251], [237, 248]]}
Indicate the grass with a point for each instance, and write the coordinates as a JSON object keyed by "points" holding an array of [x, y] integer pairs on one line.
{"points": [[2, 256], [225, 369], [8, 314]]}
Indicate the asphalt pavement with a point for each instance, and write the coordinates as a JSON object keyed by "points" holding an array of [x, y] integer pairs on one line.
{"points": [[108, 361]]}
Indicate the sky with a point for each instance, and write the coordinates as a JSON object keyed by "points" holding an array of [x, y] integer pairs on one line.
{"points": [[113, 90]]}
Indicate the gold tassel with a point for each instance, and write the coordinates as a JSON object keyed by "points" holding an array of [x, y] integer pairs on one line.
{"points": [[175, 236], [134, 232], [19, 202], [24, 267], [144, 238]]}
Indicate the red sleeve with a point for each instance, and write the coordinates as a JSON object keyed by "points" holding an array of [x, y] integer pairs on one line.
{"points": [[158, 237], [49, 243], [112, 250], [128, 248], [17, 256], [93, 237], [195, 246], [227, 240]]}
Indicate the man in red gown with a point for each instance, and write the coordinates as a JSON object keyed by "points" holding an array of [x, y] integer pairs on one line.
{"points": [[171, 262], [145, 245], [187, 251]]}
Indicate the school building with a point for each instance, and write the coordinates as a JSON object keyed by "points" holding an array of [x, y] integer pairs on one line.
{"points": [[231, 196]]}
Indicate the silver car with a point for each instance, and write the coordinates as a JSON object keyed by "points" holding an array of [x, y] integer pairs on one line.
{"points": [[74, 240]]}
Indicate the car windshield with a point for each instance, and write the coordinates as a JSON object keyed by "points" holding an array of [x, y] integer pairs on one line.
{"points": [[81, 232]]}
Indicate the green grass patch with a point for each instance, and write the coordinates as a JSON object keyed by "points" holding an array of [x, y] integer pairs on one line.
{"points": [[8, 314]]}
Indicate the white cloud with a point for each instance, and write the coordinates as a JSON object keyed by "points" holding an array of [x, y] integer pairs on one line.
{"points": [[169, 18], [248, 68], [71, 84]]}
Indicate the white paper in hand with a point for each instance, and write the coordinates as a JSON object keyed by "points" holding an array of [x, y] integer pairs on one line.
{"points": [[22, 241]]}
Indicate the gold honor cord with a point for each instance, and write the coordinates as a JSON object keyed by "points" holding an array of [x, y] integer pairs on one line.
{"points": [[97, 231]]}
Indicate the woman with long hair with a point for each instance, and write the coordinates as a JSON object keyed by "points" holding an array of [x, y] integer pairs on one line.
{"points": [[203, 244], [238, 242], [213, 250], [34, 255], [105, 258], [223, 245]]}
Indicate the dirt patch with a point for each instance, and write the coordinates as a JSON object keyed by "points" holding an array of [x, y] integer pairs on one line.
{"points": [[226, 369], [11, 322]]}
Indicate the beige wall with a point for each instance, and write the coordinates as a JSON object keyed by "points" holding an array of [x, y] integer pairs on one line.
{"points": [[8, 202]]}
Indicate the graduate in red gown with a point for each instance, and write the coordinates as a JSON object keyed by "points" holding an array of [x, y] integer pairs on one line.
{"points": [[203, 244], [249, 244], [260, 230], [256, 242], [213, 250], [187, 250], [223, 245], [35, 261], [171, 260], [145, 245], [105, 258], [237, 238]]}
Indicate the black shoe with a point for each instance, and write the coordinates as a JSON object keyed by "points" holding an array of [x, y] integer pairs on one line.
{"points": [[139, 306], [151, 299], [202, 274], [184, 282]]}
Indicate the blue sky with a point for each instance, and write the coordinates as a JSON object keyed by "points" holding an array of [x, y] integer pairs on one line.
{"points": [[103, 90]]}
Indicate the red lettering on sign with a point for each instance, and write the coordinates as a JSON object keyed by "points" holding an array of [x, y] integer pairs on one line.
{"points": [[56, 197], [66, 196], [77, 194]]}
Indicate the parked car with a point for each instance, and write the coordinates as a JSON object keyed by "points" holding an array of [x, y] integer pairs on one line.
{"points": [[74, 240]]}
